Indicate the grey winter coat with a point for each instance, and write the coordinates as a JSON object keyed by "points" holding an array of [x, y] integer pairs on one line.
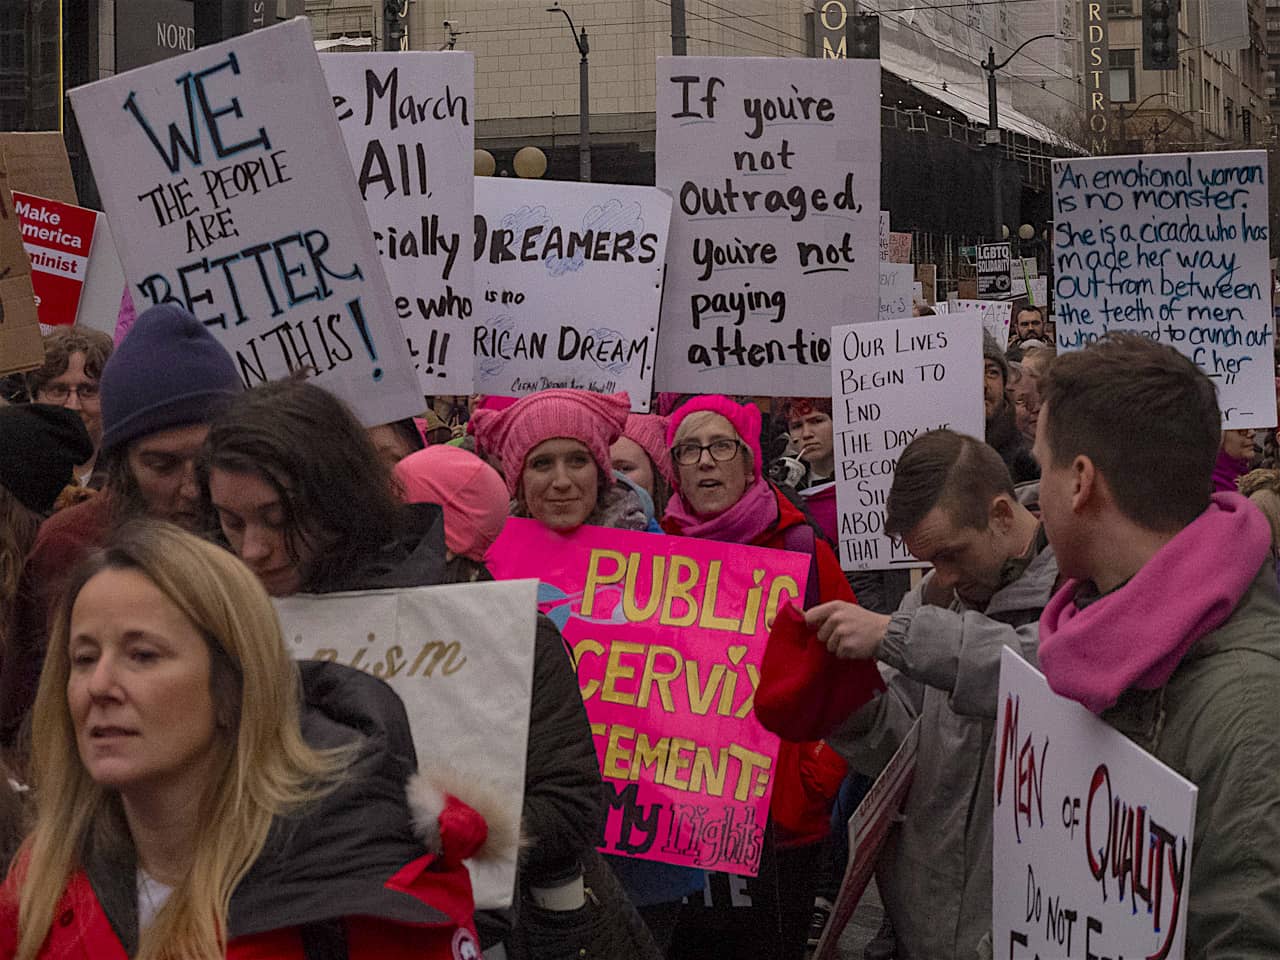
{"points": [[942, 665]]}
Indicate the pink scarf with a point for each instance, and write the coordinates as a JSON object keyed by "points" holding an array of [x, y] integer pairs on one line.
{"points": [[1137, 635], [1227, 470], [755, 512]]}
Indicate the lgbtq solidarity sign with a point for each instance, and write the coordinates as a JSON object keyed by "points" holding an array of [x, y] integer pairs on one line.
{"points": [[668, 634]]}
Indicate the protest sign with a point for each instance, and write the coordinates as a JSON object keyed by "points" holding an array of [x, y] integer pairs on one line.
{"points": [[1038, 291], [58, 238], [1174, 247], [891, 381], [568, 285], [927, 276], [1092, 841], [868, 828], [229, 191], [466, 682], [884, 236], [993, 271], [899, 248], [997, 316], [20, 345], [774, 165], [38, 164], [408, 122], [1022, 270], [103, 284], [896, 290], [668, 634]]}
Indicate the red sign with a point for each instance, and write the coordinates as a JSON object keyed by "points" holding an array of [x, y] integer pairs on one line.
{"points": [[57, 237]]}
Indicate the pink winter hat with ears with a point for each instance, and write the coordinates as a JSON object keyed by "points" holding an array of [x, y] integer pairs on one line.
{"points": [[745, 418], [650, 431], [595, 420], [472, 495]]}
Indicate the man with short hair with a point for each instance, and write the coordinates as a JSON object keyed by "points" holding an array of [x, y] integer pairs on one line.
{"points": [[952, 503], [1001, 418], [1169, 628], [159, 391], [1029, 324]]}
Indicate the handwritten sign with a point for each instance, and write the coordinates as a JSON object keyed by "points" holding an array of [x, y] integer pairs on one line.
{"points": [[774, 165], [897, 290], [229, 192], [568, 284], [20, 345], [1092, 842], [899, 248], [997, 315], [58, 238], [668, 634], [884, 236], [868, 829], [408, 120], [1174, 247], [993, 271], [891, 381], [466, 682]]}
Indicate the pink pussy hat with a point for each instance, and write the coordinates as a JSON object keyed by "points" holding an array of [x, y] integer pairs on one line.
{"points": [[595, 420], [745, 418], [650, 431], [472, 495]]}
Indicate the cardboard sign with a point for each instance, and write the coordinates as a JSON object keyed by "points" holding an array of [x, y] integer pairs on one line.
{"points": [[927, 276], [408, 122], [668, 634], [868, 829], [38, 164], [568, 285], [891, 381], [1092, 835], [58, 238], [466, 682], [774, 165], [1174, 247], [899, 248], [884, 236], [20, 345], [896, 290], [997, 316], [229, 191], [993, 272]]}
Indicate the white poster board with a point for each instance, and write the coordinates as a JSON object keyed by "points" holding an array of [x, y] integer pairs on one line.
{"points": [[891, 381], [996, 315], [1092, 835], [466, 682], [103, 283], [774, 166], [1174, 247], [408, 119], [568, 284], [897, 290], [229, 192]]}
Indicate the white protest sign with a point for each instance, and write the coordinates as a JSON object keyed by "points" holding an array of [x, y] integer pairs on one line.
{"points": [[897, 281], [408, 122], [466, 682], [891, 381], [1038, 291], [229, 192], [1022, 270], [774, 164], [568, 283], [1175, 247], [996, 316], [884, 236], [1092, 841]]}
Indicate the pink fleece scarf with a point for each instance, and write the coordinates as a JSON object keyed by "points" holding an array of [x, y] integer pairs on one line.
{"points": [[755, 512], [1226, 471], [1137, 635]]}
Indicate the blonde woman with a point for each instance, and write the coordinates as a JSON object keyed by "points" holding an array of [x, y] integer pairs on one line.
{"points": [[195, 798]]}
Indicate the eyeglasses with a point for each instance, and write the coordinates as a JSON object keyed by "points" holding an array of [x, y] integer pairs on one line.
{"points": [[722, 451], [59, 392]]}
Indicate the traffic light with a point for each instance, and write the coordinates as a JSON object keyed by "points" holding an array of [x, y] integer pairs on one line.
{"points": [[1159, 34], [864, 37]]}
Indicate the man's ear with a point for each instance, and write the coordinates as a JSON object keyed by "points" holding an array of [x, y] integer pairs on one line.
{"points": [[1087, 485], [1000, 513]]}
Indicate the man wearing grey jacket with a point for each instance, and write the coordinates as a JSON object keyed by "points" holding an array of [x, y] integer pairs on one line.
{"points": [[953, 504]]}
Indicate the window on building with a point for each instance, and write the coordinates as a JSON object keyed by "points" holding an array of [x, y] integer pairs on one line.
{"points": [[1120, 8], [1121, 65], [1246, 126]]}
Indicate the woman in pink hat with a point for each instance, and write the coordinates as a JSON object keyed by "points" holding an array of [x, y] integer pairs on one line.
{"points": [[641, 455]]}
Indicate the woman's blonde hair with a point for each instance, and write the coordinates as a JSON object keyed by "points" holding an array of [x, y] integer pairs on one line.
{"points": [[263, 766], [696, 421]]}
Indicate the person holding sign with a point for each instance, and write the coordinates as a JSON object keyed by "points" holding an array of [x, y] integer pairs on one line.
{"points": [[198, 794], [953, 504], [1169, 628]]}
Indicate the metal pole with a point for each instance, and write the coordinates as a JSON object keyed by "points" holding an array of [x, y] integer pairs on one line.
{"points": [[584, 113], [679, 40], [392, 28], [993, 143]]}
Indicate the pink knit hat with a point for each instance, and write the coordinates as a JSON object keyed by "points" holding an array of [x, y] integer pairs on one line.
{"points": [[650, 431], [745, 418], [593, 419], [472, 494]]}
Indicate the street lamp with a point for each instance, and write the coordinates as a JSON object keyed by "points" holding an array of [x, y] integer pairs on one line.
{"points": [[584, 101], [1126, 115], [393, 12], [992, 136]]}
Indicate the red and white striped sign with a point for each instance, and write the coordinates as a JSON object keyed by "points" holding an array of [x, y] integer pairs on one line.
{"points": [[57, 237]]}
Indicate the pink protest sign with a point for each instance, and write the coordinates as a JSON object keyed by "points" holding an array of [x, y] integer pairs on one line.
{"points": [[668, 634]]}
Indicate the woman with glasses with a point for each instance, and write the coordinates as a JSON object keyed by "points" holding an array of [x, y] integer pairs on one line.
{"points": [[73, 362], [722, 495]]}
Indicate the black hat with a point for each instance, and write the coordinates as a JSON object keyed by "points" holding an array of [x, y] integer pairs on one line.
{"points": [[40, 445]]}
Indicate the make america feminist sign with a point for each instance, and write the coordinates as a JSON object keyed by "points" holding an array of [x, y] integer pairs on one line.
{"points": [[407, 119], [668, 634], [1092, 835], [774, 166], [229, 193]]}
